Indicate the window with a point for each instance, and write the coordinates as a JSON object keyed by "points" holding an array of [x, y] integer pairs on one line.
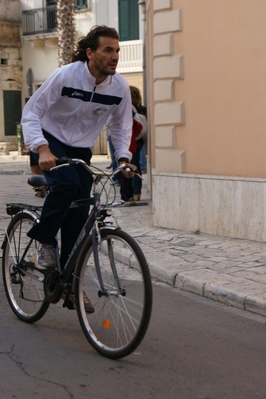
{"points": [[12, 111], [51, 14], [50, 3], [81, 4], [128, 13]]}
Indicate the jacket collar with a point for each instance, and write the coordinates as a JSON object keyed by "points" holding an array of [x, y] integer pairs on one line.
{"points": [[92, 79]]}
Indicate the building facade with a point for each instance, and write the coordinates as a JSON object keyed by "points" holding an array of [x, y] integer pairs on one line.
{"points": [[206, 77], [10, 74], [202, 78], [40, 41], [29, 51]]}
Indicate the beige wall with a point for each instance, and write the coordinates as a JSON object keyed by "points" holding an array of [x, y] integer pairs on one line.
{"points": [[221, 44], [206, 74]]}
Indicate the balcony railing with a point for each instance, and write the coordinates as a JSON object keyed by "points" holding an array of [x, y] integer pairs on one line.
{"points": [[130, 56], [39, 20], [43, 21]]}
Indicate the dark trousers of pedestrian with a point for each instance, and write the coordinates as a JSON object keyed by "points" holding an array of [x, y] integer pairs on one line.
{"points": [[131, 187], [136, 181], [67, 184]]}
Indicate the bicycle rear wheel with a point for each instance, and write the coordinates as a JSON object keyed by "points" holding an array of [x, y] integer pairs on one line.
{"points": [[122, 307], [23, 283]]}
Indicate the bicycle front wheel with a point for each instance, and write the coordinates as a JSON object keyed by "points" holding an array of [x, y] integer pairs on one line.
{"points": [[122, 302], [23, 283]]}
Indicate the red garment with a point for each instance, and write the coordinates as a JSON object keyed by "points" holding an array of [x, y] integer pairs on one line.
{"points": [[136, 130]]}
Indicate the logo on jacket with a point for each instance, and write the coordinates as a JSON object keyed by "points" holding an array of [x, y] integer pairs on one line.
{"points": [[99, 111], [76, 94]]}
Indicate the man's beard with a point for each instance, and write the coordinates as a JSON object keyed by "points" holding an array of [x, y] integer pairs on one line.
{"points": [[104, 70]]}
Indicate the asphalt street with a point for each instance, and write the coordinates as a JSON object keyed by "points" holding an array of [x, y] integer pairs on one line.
{"points": [[194, 348], [227, 270]]}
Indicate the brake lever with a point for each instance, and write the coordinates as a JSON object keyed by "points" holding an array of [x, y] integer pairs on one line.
{"points": [[127, 169]]}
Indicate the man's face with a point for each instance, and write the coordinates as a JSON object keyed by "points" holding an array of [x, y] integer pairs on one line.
{"points": [[103, 61]]}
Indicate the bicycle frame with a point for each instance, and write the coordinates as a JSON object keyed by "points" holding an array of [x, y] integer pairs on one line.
{"points": [[106, 277], [90, 227]]}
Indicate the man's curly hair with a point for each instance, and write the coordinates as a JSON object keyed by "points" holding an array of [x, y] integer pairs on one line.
{"points": [[92, 41]]}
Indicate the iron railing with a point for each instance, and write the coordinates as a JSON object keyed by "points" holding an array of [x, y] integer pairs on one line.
{"points": [[43, 20], [39, 20]]}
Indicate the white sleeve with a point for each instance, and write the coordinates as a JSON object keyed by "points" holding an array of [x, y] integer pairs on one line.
{"points": [[35, 108]]}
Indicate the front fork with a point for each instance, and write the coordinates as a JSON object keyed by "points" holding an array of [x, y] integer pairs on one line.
{"points": [[96, 245]]}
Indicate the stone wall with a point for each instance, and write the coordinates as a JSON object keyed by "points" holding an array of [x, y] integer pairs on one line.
{"points": [[218, 205], [10, 63]]}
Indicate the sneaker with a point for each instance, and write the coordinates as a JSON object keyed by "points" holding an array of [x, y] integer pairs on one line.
{"points": [[114, 183], [119, 203], [45, 258], [71, 303], [89, 308]]}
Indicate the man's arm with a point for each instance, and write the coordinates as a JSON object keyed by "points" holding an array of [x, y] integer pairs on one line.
{"points": [[35, 109], [46, 158]]}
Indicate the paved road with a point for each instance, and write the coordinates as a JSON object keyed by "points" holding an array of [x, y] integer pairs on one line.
{"points": [[194, 349], [227, 270]]}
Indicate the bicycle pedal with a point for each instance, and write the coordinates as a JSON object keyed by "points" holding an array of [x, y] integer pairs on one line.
{"points": [[68, 304], [14, 280]]}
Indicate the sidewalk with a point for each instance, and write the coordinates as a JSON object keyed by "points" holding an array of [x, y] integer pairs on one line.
{"points": [[230, 271]]}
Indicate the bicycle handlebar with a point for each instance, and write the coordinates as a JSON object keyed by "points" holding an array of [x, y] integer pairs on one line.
{"points": [[76, 161]]}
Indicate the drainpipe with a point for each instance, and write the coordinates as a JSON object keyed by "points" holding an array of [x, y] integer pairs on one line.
{"points": [[142, 4]]}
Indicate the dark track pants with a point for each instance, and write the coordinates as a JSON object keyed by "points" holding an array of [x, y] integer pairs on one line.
{"points": [[67, 184]]}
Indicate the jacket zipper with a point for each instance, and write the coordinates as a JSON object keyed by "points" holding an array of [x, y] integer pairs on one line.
{"points": [[93, 91]]}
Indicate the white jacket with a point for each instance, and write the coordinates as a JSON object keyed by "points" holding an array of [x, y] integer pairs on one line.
{"points": [[72, 108]]}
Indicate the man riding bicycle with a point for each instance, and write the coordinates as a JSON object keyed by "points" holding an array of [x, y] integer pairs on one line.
{"points": [[63, 118]]}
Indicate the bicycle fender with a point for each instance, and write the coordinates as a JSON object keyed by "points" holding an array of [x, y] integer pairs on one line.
{"points": [[14, 210], [111, 228]]}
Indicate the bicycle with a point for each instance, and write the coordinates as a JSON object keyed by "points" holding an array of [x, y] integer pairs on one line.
{"points": [[106, 263]]}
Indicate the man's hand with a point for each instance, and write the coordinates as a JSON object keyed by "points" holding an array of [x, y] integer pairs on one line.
{"points": [[129, 174], [46, 158]]}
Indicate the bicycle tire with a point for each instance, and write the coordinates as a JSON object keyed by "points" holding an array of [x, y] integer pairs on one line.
{"points": [[25, 294], [121, 318]]}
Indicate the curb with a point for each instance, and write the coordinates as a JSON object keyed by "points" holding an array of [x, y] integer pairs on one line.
{"points": [[210, 290]]}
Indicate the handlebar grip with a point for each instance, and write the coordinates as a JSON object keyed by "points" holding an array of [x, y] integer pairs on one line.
{"points": [[62, 161], [128, 169]]}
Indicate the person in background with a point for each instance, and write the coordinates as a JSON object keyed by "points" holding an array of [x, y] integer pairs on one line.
{"points": [[142, 110], [139, 112], [130, 190]]}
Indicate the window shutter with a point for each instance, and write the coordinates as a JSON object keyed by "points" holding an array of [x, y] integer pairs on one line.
{"points": [[128, 11], [12, 111]]}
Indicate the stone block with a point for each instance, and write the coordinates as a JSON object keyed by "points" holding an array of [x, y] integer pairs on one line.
{"points": [[163, 45], [170, 113], [168, 67], [165, 136], [163, 90], [159, 5], [168, 21]]}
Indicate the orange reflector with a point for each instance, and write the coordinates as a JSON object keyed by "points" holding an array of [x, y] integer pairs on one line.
{"points": [[107, 324]]}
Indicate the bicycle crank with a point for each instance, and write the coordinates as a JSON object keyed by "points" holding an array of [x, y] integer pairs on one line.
{"points": [[52, 287]]}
